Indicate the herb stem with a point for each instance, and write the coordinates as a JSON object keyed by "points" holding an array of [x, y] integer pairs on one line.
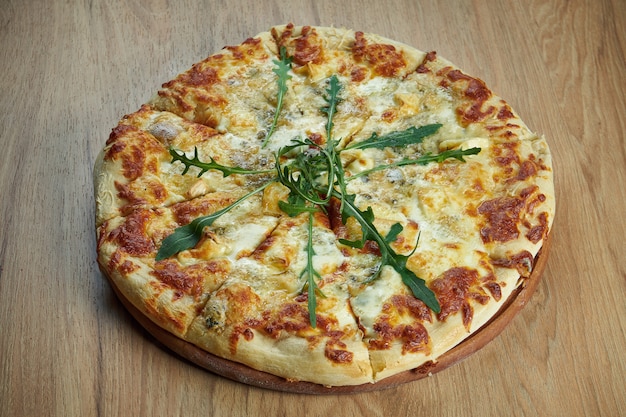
{"points": [[333, 99], [212, 165], [422, 160], [311, 274], [282, 71]]}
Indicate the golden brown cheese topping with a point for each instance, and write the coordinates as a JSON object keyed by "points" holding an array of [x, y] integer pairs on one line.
{"points": [[382, 59]]}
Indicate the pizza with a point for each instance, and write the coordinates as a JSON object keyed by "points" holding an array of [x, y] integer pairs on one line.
{"points": [[322, 205]]}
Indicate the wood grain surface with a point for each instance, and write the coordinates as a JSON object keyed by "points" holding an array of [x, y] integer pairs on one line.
{"points": [[70, 69]]}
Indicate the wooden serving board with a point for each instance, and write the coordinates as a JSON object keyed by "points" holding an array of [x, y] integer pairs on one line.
{"points": [[244, 374]]}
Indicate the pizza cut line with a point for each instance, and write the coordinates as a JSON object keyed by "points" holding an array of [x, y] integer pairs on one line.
{"points": [[322, 205]]}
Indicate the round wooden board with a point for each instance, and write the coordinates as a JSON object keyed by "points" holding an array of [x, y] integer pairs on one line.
{"points": [[244, 374]]}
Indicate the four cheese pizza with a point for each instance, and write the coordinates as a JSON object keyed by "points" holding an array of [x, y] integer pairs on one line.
{"points": [[323, 205]]}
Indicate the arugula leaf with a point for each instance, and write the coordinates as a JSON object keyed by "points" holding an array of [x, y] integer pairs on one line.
{"points": [[311, 275], [184, 237], [206, 166], [364, 217], [458, 154], [302, 173], [410, 136], [388, 255], [450, 153], [282, 71], [332, 99], [393, 233], [296, 205], [188, 236]]}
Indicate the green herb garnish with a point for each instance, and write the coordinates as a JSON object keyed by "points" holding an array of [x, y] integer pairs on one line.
{"points": [[314, 174], [388, 255], [302, 173], [311, 275], [333, 100], [206, 166], [406, 137], [282, 71], [188, 236], [458, 154]]}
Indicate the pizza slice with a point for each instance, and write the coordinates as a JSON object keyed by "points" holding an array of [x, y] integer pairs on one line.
{"points": [[136, 169], [172, 291], [261, 316]]}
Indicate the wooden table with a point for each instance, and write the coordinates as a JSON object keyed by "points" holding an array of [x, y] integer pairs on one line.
{"points": [[69, 70]]}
